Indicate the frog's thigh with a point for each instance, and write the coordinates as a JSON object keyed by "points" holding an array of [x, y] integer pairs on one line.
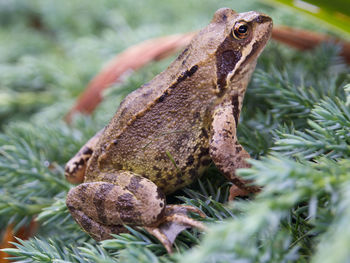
{"points": [[226, 152], [75, 168], [122, 198]]}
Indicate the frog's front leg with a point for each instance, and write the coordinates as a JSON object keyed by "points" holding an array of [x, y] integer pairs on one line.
{"points": [[75, 167], [122, 197], [225, 150]]}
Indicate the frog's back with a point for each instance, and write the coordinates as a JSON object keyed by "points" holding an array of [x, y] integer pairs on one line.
{"points": [[161, 130], [163, 140]]}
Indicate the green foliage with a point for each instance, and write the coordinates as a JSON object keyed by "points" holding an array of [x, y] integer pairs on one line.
{"points": [[295, 123], [55, 251], [335, 13]]}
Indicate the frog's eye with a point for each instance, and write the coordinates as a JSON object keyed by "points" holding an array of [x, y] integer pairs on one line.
{"points": [[240, 30]]}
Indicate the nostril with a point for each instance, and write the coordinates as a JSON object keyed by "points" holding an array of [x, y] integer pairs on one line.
{"points": [[259, 19]]}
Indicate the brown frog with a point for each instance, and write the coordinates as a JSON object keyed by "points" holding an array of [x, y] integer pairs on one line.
{"points": [[166, 133]]}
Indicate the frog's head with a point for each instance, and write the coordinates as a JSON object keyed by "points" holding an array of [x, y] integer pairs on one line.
{"points": [[243, 37]]}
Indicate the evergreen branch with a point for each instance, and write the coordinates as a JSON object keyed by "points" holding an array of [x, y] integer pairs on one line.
{"points": [[139, 254], [56, 214], [41, 250], [30, 174], [328, 133], [93, 254], [36, 250], [337, 236], [258, 234], [290, 92], [121, 241]]}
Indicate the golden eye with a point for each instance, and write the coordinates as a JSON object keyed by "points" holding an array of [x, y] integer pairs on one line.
{"points": [[240, 30]]}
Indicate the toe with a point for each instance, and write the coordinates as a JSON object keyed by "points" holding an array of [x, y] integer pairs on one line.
{"points": [[161, 237], [182, 209], [175, 220]]}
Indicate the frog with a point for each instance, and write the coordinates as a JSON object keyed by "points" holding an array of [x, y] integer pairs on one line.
{"points": [[165, 134]]}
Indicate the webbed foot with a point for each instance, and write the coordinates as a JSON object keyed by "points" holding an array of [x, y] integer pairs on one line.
{"points": [[175, 220]]}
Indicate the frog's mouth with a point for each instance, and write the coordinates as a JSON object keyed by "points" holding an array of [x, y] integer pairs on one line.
{"points": [[263, 31]]}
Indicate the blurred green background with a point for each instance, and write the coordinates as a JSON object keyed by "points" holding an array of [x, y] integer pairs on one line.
{"points": [[335, 13], [49, 50]]}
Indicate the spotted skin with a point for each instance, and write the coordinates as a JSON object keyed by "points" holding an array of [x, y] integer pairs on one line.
{"points": [[75, 168], [165, 134], [225, 150], [130, 199]]}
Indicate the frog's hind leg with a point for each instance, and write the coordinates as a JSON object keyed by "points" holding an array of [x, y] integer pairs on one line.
{"points": [[75, 168], [225, 150], [122, 197], [95, 229]]}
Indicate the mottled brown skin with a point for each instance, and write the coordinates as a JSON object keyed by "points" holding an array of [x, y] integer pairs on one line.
{"points": [[165, 134]]}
